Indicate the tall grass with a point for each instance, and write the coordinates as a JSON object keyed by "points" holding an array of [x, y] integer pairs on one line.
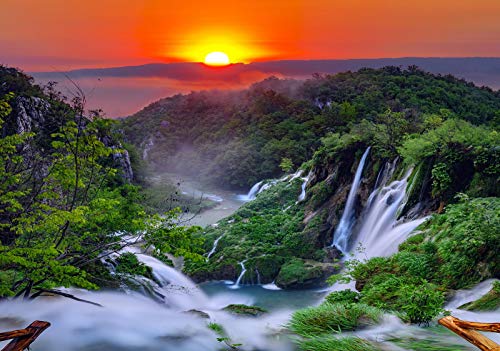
{"points": [[337, 317], [330, 343]]}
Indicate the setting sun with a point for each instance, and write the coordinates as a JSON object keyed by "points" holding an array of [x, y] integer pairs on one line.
{"points": [[217, 58]]}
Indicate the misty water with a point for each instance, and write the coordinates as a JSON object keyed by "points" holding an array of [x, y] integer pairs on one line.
{"points": [[130, 320], [226, 202]]}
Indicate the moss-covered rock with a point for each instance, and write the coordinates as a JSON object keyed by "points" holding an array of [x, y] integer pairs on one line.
{"points": [[300, 274], [246, 310]]}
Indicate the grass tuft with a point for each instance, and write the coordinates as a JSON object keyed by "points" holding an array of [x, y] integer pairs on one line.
{"points": [[327, 318]]}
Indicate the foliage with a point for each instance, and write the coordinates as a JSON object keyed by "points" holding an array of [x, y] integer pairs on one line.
{"points": [[239, 138], [329, 343], [297, 272], [345, 296], [286, 164], [262, 231], [129, 264], [455, 250], [63, 205], [328, 318], [217, 328]]}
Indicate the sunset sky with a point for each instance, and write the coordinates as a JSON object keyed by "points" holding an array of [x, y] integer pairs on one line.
{"points": [[68, 34]]}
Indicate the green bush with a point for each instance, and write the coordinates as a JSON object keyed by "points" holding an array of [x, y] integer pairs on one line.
{"points": [[421, 303], [346, 296]]}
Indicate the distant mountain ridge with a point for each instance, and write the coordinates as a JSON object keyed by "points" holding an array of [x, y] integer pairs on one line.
{"points": [[122, 91], [481, 70]]}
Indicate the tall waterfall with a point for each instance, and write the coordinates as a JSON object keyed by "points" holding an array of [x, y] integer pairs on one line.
{"points": [[343, 230], [379, 232]]}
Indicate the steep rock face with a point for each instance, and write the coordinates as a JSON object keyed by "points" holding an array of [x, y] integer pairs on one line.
{"points": [[328, 189], [30, 113]]}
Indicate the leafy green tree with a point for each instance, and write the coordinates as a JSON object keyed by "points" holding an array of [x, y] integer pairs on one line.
{"points": [[59, 220], [286, 164]]}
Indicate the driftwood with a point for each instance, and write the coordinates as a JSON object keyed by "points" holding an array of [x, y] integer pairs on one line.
{"points": [[467, 330], [22, 339]]}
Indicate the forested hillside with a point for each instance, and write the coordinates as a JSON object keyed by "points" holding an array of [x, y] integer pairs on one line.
{"points": [[238, 138], [66, 198]]}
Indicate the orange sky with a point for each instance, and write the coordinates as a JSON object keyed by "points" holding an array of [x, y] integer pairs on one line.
{"points": [[68, 34]]}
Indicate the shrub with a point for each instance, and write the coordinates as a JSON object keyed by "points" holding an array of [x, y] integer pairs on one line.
{"points": [[421, 303], [347, 296]]}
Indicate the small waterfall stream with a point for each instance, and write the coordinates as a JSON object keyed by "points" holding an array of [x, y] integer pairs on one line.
{"points": [[214, 247], [252, 193], [305, 181], [343, 230], [240, 277]]}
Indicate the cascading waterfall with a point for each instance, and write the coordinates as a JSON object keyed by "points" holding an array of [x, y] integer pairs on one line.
{"points": [[343, 230], [134, 321], [240, 277], [305, 181], [252, 193], [214, 247], [379, 232], [463, 296]]}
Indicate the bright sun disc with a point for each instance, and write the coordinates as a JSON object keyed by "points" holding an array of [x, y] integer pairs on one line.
{"points": [[217, 58]]}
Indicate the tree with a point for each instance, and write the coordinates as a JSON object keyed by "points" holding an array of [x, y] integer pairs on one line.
{"points": [[63, 212], [286, 164]]}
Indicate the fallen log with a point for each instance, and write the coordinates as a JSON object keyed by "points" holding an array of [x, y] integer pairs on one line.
{"points": [[467, 330], [22, 338]]}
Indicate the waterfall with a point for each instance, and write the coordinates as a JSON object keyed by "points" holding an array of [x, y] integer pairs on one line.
{"points": [[214, 247], [182, 292], [305, 181], [240, 277], [252, 193], [343, 230], [463, 296], [380, 232]]}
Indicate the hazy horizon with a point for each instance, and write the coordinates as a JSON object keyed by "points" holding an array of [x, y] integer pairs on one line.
{"points": [[122, 91]]}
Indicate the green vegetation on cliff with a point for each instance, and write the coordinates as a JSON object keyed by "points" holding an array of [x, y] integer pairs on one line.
{"points": [[238, 138], [66, 201]]}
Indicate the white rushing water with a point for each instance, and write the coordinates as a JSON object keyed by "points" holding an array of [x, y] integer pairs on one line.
{"points": [[240, 277], [214, 247], [252, 193], [343, 230], [379, 232], [463, 296], [305, 181], [130, 321]]}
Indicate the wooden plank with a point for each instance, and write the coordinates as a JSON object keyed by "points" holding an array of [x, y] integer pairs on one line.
{"points": [[14, 334], [459, 327], [488, 327], [21, 343]]}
